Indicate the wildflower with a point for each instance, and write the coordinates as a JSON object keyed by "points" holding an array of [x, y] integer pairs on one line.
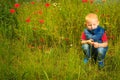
{"points": [[12, 11], [54, 4], [28, 20], [62, 37], [34, 28], [66, 39], [84, 1], [71, 45], [41, 21], [31, 46], [39, 12], [17, 5], [103, 0], [108, 16], [102, 15], [110, 53], [40, 47], [91, 1], [32, 2], [41, 40], [96, 10], [111, 37], [44, 28], [47, 4]]}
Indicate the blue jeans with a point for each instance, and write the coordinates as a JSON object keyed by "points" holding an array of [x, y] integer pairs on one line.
{"points": [[97, 53]]}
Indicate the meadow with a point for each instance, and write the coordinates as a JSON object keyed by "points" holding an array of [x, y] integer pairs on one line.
{"points": [[40, 39]]}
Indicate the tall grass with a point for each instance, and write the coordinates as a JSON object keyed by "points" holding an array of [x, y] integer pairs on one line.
{"points": [[51, 50]]}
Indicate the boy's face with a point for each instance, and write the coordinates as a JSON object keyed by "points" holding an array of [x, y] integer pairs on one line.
{"points": [[92, 24]]}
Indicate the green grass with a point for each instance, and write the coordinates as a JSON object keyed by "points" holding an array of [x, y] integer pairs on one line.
{"points": [[52, 50]]}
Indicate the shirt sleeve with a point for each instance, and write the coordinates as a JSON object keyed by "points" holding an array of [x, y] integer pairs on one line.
{"points": [[83, 36], [104, 38]]}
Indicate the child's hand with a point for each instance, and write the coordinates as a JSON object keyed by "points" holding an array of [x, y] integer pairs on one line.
{"points": [[96, 44], [90, 41]]}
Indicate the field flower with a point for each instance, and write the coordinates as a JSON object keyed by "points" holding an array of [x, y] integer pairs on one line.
{"points": [[91, 1], [41, 21], [47, 4], [34, 28], [71, 45], [31, 46], [103, 0], [111, 37], [54, 4], [96, 10], [32, 2], [66, 39], [17, 5], [62, 37], [12, 11], [37, 12], [28, 20], [44, 28], [40, 47], [84, 1], [40, 12], [42, 40], [108, 16], [102, 15]]}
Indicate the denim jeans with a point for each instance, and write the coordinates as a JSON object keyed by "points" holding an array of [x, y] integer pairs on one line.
{"points": [[97, 53]]}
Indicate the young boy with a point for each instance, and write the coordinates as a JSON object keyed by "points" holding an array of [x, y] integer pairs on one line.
{"points": [[94, 40]]}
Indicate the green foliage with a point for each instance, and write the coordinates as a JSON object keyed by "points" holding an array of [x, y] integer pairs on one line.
{"points": [[51, 49], [8, 22]]}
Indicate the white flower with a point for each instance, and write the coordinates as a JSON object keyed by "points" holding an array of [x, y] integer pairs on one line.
{"points": [[71, 45], [54, 4]]}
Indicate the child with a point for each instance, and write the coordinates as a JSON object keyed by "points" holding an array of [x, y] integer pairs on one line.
{"points": [[94, 40]]}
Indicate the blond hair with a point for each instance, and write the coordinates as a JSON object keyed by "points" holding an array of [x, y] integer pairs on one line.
{"points": [[91, 16]]}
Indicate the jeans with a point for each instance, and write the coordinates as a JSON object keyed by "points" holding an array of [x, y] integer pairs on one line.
{"points": [[96, 53]]}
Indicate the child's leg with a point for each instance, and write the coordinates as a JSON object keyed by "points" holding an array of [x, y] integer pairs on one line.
{"points": [[86, 50], [101, 55], [94, 54]]}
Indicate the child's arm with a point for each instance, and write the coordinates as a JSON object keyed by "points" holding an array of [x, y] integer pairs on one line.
{"points": [[105, 44], [84, 40], [97, 45], [90, 41]]}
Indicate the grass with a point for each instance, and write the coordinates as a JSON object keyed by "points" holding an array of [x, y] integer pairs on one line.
{"points": [[51, 50]]}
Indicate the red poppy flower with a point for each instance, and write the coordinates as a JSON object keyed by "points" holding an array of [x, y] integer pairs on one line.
{"points": [[41, 21], [12, 11], [66, 39], [17, 5], [47, 4], [84, 1], [96, 10], [91, 1], [32, 2], [42, 40], [28, 20], [39, 12]]}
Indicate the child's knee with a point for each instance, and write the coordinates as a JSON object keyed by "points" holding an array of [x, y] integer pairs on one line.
{"points": [[101, 51], [85, 46]]}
